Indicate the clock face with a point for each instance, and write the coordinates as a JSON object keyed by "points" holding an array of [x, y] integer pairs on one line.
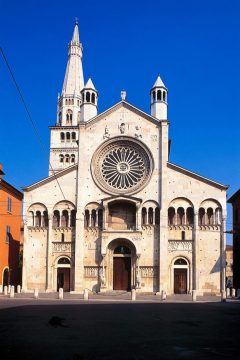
{"points": [[122, 166]]}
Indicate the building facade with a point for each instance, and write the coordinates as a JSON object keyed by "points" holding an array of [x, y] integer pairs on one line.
{"points": [[235, 201], [10, 223], [114, 212]]}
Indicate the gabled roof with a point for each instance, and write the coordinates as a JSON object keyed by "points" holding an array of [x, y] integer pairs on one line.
{"points": [[234, 197], [197, 176], [126, 105], [50, 178]]}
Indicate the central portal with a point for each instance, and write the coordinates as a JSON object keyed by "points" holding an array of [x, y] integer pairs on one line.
{"points": [[122, 273]]}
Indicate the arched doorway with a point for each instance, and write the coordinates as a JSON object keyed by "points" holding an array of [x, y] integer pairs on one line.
{"points": [[180, 275], [5, 277], [63, 274], [122, 268], [120, 265]]}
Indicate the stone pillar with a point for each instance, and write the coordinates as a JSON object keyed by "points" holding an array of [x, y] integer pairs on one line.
{"points": [[35, 295], [195, 252], [69, 218], [60, 293], [133, 295], [96, 225], [1, 289], [49, 279], [12, 290], [5, 290], [223, 254], [18, 289], [85, 294], [147, 216], [154, 213], [90, 218]]}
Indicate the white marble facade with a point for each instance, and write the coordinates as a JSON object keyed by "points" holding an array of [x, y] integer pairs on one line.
{"points": [[115, 213]]}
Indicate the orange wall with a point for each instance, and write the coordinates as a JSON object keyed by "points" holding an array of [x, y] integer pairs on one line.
{"points": [[9, 253]]}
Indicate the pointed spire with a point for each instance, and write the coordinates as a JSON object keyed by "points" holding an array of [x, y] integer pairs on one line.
{"points": [[73, 81], [75, 38], [89, 85], [159, 82]]}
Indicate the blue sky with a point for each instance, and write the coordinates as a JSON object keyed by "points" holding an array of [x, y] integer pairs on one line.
{"points": [[194, 45]]}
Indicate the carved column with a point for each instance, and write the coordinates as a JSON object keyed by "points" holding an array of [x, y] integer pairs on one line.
{"points": [[147, 216], [195, 252], [49, 256], [96, 220], [223, 253], [154, 214]]}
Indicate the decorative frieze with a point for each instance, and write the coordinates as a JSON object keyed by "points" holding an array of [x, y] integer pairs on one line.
{"points": [[149, 271], [63, 247], [176, 245], [92, 271], [180, 227], [210, 227]]}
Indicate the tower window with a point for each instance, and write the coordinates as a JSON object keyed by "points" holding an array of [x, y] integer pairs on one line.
{"points": [[72, 158], [154, 95], [69, 117], [88, 96], [164, 96], [93, 98], [68, 136], [62, 136], [60, 118], [73, 136], [61, 158], [67, 158], [159, 95], [66, 102], [183, 235], [9, 205]]}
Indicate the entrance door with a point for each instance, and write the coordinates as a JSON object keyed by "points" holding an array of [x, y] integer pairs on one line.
{"points": [[180, 281], [63, 279], [121, 273]]}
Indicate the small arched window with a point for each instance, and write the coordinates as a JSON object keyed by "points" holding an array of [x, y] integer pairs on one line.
{"points": [[67, 158], [94, 218], [150, 216], [180, 262], [183, 235], [157, 216], [69, 117], [56, 219], [72, 158], [61, 158], [171, 216], [201, 216], [62, 136], [72, 101], [73, 218], [210, 216], [38, 218], [93, 98], [73, 136], [190, 216], [164, 96], [180, 216], [144, 216], [60, 118], [88, 96], [68, 136], [64, 261], [62, 237], [86, 218], [154, 95], [66, 102], [78, 103], [45, 219], [159, 95], [122, 250], [100, 218], [64, 219]]}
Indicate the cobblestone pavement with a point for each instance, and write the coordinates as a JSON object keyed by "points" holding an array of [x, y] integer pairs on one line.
{"points": [[110, 327]]}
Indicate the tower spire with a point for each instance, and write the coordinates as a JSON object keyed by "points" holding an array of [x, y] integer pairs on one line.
{"points": [[70, 99], [73, 81]]}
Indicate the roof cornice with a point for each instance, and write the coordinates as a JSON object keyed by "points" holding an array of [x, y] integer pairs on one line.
{"points": [[197, 176]]}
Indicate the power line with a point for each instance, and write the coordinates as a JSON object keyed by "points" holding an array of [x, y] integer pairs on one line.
{"points": [[35, 129]]}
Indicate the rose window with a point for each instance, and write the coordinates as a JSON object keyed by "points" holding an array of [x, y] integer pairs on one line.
{"points": [[122, 166]]}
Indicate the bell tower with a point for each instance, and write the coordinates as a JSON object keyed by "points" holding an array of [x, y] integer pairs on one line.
{"points": [[159, 104]]}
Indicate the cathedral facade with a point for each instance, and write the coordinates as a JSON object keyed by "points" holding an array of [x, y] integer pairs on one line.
{"points": [[114, 212]]}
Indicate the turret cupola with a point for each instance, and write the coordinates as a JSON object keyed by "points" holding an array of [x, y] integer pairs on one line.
{"points": [[159, 100], [89, 101]]}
